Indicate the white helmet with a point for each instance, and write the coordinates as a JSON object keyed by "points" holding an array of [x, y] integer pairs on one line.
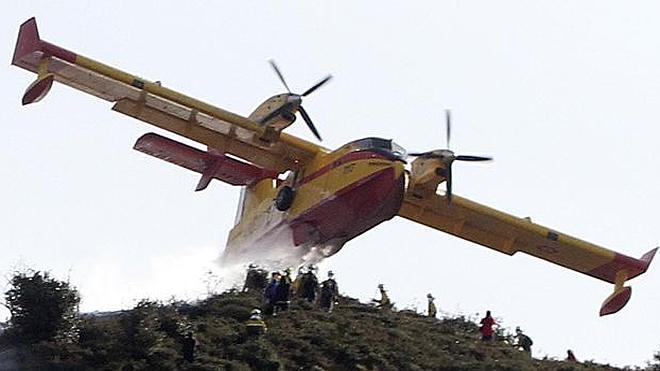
{"points": [[256, 311]]}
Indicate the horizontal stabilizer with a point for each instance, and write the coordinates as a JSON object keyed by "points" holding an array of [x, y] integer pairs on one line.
{"points": [[210, 165]]}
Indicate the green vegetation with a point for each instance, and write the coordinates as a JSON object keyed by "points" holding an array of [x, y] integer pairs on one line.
{"points": [[42, 308], [354, 336]]}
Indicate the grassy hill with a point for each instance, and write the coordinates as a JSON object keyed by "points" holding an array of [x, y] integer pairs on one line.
{"points": [[354, 336]]}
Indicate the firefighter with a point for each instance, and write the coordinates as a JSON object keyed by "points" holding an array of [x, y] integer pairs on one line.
{"points": [[255, 326], [384, 302], [523, 341], [310, 285], [270, 294], [329, 293], [297, 283], [283, 292], [432, 311]]}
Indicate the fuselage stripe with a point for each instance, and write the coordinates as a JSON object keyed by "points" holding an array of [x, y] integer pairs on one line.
{"points": [[352, 156]]}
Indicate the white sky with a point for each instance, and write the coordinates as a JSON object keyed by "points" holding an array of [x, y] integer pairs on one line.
{"points": [[563, 94]]}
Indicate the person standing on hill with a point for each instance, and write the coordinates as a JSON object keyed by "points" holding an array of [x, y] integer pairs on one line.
{"points": [[310, 285], [329, 292], [283, 292], [270, 294], [524, 341], [432, 311], [297, 283], [486, 328], [384, 302], [287, 276], [570, 357]]}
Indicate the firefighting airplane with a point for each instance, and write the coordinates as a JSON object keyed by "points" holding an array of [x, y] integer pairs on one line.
{"points": [[313, 197]]}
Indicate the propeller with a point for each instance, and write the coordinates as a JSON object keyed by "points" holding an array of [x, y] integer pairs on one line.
{"points": [[448, 157], [299, 97]]}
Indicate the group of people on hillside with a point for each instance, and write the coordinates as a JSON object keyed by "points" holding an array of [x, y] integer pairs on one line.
{"points": [[281, 288], [521, 340]]}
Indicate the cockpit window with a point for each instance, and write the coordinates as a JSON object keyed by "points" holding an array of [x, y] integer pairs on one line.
{"points": [[380, 144]]}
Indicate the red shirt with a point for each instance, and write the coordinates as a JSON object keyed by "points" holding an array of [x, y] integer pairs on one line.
{"points": [[487, 326]]}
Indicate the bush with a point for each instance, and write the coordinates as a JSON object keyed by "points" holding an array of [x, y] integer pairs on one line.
{"points": [[42, 308]]}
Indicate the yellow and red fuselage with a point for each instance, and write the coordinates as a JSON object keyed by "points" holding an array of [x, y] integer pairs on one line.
{"points": [[338, 196]]}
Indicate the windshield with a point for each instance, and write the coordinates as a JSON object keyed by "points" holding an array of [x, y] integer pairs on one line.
{"points": [[382, 145]]}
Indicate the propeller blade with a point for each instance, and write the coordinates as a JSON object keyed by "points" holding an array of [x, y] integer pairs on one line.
{"points": [[473, 158], [279, 74], [448, 124], [308, 120], [449, 183], [318, 85]]}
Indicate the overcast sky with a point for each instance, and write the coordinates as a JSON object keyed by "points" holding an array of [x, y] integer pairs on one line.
{"points": [[563, 94]]}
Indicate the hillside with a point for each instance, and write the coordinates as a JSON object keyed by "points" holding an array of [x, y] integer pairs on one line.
{"points": [[354, 337]]}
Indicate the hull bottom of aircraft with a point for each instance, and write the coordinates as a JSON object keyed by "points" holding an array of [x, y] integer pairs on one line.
{"points": [[351, 211], [322, 230]]}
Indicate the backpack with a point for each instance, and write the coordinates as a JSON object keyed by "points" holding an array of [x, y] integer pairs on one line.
{"points": [[526, 340]]}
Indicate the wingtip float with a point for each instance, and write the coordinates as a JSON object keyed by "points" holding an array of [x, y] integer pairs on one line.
{"points": [[626, 268], [332, 196], [28, 44]]}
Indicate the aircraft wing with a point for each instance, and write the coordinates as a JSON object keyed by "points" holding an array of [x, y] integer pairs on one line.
{"points": [[509, 234], [211, 165], [150, 102]]}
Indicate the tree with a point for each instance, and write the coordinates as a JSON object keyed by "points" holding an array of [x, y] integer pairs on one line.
{"points": [[42, 308]]}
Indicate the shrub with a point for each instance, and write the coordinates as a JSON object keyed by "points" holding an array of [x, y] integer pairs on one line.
{"points": [[42, 308]]}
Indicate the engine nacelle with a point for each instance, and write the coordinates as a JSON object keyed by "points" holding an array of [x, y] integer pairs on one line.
{"points": [[276, 114], [425, 176]]}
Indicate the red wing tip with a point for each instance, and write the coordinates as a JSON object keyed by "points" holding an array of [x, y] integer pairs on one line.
{"points": [[616, 301], [28, 40], [648, 257], [30, 21]]}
